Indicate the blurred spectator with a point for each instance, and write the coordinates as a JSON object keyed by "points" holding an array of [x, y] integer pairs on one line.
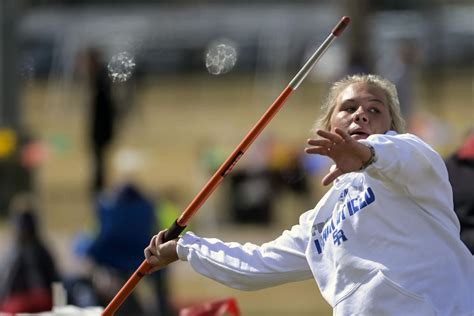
{"points": [[287, 163], [273, 169], [461, 172], [25, 281], [102, 114], [251, 196], [127, 221]]}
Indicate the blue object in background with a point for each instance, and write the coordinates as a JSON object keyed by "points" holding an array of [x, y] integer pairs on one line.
{"points": [[127, 223]]}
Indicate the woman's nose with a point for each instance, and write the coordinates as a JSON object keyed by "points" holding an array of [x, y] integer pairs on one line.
{"points": [[360, 116]]}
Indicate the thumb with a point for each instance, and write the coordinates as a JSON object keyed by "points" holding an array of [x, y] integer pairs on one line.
{"points": [[331, 176]]}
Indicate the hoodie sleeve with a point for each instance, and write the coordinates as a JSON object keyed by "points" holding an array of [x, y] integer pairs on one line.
{"points": [[407, 164], [248, 266]]}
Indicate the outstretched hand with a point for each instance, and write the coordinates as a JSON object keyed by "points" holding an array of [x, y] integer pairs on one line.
{"points": [[159, 254], [348, 154]]}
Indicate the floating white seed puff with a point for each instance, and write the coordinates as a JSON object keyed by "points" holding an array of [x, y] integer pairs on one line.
{"points": [[220, 58], [121, 67]]}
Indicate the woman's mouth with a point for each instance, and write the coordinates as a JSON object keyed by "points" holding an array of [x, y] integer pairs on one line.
{"points": [[359, 135]]}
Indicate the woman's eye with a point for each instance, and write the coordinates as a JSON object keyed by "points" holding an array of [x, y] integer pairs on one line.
{"points": [[350, 109], [374, 110]]}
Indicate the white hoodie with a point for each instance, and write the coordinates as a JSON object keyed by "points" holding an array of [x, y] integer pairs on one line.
{"points": [[384, 241]]}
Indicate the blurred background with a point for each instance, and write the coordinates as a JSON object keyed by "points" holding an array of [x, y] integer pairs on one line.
{"points": [[114, 114]]}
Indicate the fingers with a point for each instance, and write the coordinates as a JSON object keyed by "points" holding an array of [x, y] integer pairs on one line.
{"points": [[337, 137], [331, 176], [152, 247], [345, 136], [158, 239], [152, 251], [320, 142], [329, 142], [333, 137], [147, 253], [340, 147], [159, 253], [321, 146], [320, 150], [152, 260], [150, 257]]}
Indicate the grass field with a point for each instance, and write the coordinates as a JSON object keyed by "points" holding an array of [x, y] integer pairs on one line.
{"points": [[169, 121]]}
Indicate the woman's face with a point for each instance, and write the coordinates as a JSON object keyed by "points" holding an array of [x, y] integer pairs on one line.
{"points": [[361, 110]]}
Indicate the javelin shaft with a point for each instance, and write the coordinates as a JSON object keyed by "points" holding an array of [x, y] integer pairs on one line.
{"points": [[180, 224], [227, 166], [305, 70], [231, 161]]}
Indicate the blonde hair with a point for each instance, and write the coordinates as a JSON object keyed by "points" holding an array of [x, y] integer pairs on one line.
{"points": [[397, 124]]}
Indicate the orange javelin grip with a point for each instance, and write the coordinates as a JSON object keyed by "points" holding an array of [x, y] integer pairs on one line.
{"points": [[180, 224]]}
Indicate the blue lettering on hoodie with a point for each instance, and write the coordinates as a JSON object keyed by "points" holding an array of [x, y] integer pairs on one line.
{"points": [[330, 227]]}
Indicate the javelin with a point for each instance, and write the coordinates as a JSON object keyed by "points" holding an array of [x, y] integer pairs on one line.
{"points": [[181, 222]]}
